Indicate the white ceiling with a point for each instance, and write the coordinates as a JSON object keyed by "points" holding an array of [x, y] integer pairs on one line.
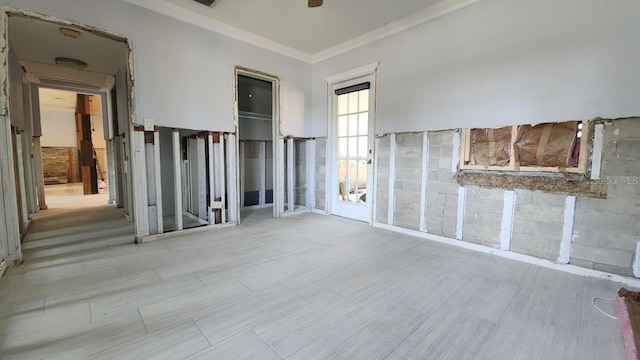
{"points": [[310, 30], [308, 34], [37, 43]]}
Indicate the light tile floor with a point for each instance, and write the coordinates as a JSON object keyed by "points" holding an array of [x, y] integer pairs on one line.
{"points": [[302, 287]]}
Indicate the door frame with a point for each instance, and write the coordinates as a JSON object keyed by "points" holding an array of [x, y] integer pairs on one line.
{"points": [[333, 83], [277, 138]]}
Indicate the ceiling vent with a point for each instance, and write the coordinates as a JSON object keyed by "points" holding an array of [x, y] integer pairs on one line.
{"points": [[209, 3]]}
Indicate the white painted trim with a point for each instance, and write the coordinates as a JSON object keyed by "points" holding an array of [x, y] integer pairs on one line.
{"points": [[392, 179], [3, 267], [158, 175], [374, 205], [320, 212], [212, 182], [353, 73], [242, 174], [278, 196], [290, 175], [427, 14], [254, 207], [598, 144], [302, 210], [233, 179], [462, 201], [177, 180], [455, 158], [425, 179], [636, 261], [138, 169], [22, 182], [567, 230], [221, 179], [572, 269], [191, 17], [506, 226], [311, 174], [262, 156], [184, 232]]}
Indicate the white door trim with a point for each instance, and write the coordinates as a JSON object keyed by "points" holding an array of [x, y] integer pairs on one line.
{"points": [[278, 146]]}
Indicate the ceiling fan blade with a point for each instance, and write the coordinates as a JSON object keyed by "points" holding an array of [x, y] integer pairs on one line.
{"points": [[315, 3]]}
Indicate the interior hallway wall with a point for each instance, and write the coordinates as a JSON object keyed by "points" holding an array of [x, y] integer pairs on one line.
{"points": [[183, 74]]}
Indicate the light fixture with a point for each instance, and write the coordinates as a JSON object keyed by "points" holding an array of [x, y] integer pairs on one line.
{"points": [[74, 34], [71, 63]]}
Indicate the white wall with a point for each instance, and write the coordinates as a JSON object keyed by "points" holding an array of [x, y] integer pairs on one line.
{"points": [[58, 127], [184, 74], [501, 62]]}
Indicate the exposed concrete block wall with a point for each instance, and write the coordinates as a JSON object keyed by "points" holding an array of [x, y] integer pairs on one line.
{"points": [[382, 173], [442, 189], [537, 224], [408, 181], [300, 172], [321, 173], [606, 231], [483, 216]]}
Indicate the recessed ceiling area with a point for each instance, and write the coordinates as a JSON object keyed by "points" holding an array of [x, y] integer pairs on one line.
{"points": [[38, 43], [310, 30]]}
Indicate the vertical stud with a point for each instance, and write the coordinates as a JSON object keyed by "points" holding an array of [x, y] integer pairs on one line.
{"points": [[567, 230], [290, 175], [392, 179], [506, 226], [425, 179], [462, 199], [177, 179]]}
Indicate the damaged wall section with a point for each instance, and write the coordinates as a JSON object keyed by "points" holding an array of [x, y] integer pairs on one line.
{"points": [[600, 233]]}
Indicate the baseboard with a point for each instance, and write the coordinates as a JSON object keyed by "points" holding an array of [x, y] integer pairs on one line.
{"points": [[172, 234], [253, 207], [318, 211], [302, 210], [572, 269]]}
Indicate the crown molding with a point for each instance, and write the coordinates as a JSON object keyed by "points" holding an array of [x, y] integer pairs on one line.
{"points": [[427, 14], [205, 22]]}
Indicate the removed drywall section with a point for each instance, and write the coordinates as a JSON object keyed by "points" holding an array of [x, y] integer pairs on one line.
{"points": [[383, 145], [442, 190], [606, 231], [483, 216], [321, 173], [408, 181], [537, 224]]}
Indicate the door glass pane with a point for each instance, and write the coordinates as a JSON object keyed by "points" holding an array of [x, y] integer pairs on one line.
{"points": [[353, 146], [353, 102], [363, 100], [342, 126]]}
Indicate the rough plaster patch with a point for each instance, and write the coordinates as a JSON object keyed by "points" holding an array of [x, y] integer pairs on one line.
{"points": [[549, 184]]}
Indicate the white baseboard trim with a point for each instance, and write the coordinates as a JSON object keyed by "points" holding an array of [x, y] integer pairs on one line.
{"points": [[302, 210], [196, 230], [318, 211], [572, 269], [254, 207]]}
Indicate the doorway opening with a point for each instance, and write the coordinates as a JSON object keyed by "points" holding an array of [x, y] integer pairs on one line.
{"points": [[70, 113], [258, 144]]}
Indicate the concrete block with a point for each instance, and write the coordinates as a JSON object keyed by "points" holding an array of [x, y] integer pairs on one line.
{"points": [[623, 129], [615, 257], [624, 271], [551, 215], [581, 263], [409, 174], [409, 139]]}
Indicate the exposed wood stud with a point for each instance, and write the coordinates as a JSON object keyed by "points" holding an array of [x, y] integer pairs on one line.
{"points": [[290, 174], [462, 199], [177, 178], [567, 230]]}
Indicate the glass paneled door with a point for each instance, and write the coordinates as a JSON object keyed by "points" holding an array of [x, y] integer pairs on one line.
{"points": [[352, 150]]}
